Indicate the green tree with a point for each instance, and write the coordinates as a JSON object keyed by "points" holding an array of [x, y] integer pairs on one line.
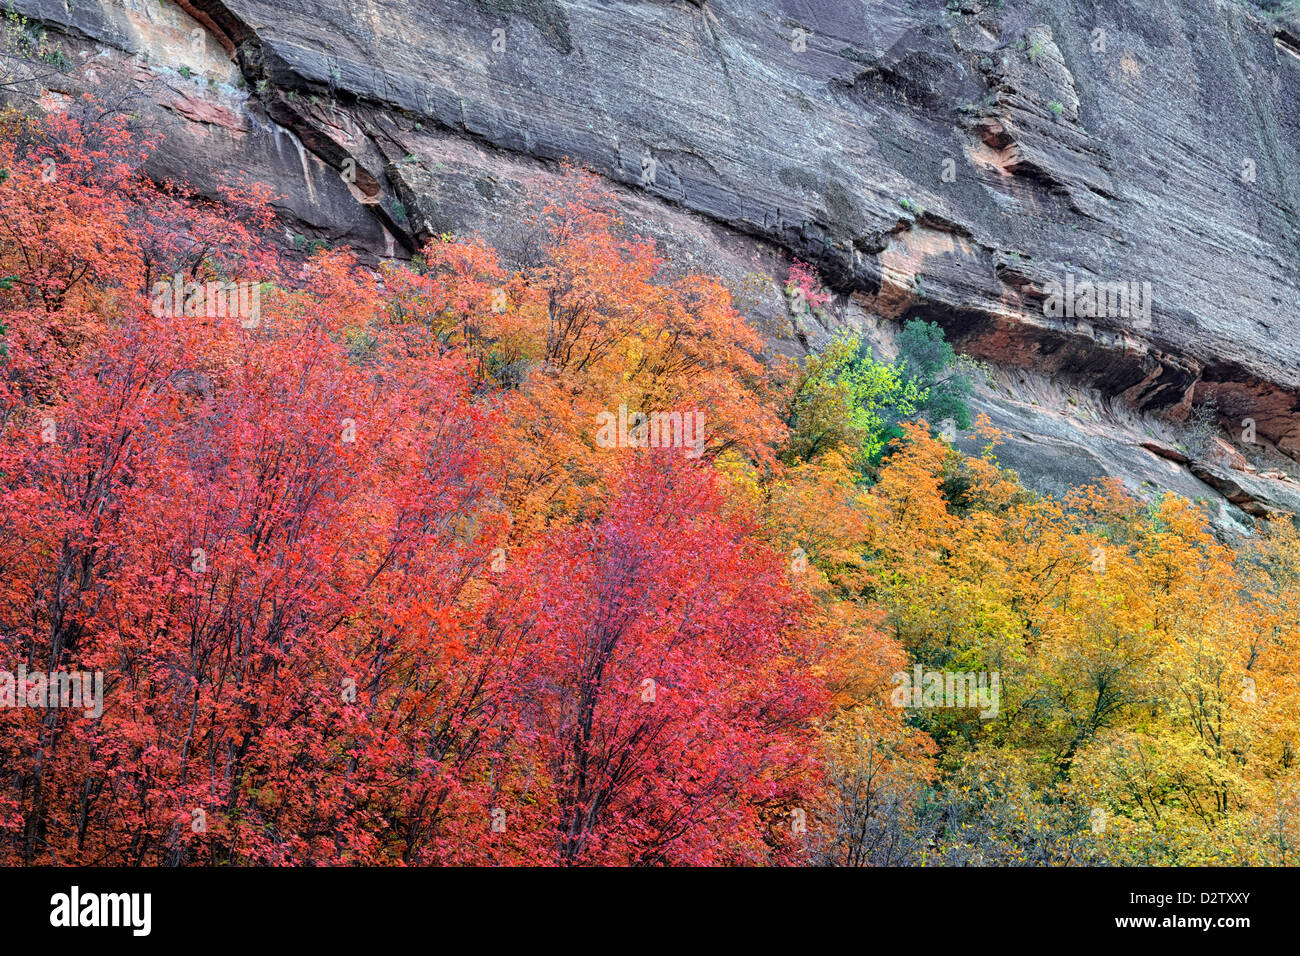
{"points": [[946, 378], [847, 400]]}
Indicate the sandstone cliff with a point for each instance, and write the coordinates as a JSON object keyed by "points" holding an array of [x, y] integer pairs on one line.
{"points": [[948, 161]]}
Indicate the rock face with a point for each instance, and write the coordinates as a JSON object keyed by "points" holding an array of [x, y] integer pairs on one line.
{"points": [[968, 163]]}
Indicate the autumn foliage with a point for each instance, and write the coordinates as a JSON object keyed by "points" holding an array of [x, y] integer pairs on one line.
{"points": [[364, 587]]}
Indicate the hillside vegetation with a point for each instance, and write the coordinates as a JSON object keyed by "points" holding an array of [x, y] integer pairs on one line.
{"points": [[367, 583]]}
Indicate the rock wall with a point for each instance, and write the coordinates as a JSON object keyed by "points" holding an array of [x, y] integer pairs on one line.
{"points": [[944, 160]]}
